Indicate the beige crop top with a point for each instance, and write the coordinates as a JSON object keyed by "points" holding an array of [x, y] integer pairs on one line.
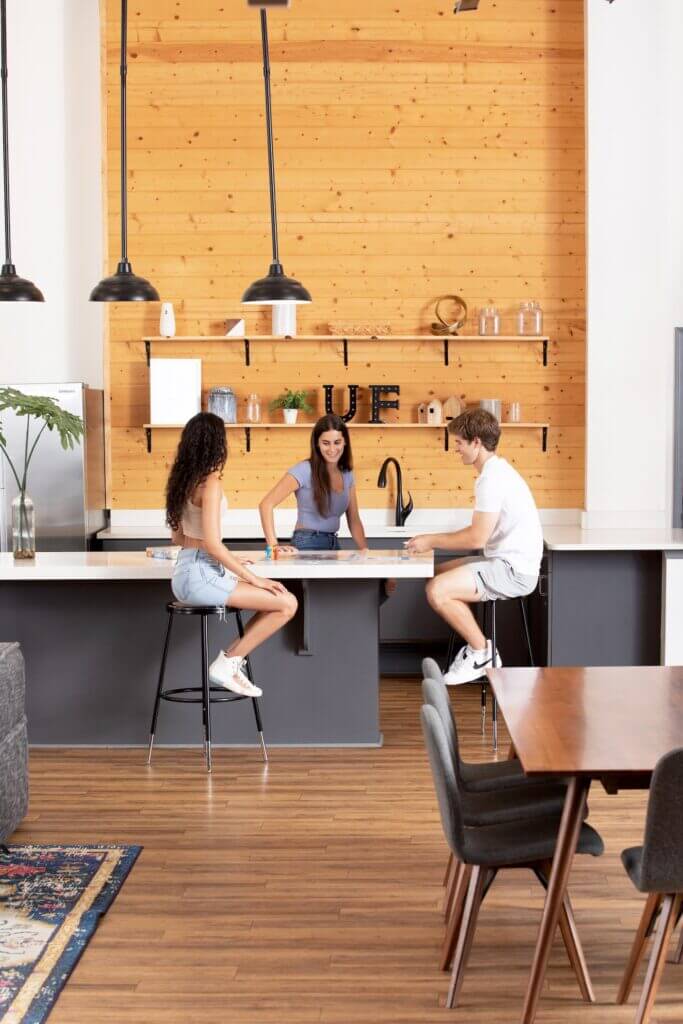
{"points": [[191, 522]]}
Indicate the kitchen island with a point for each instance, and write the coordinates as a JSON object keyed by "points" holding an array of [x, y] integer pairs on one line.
{"points": [[609, 597], [91, 626]]}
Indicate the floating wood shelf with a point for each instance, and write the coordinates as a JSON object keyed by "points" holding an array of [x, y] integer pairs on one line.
{"points": [[248, 427], [444, 340]]}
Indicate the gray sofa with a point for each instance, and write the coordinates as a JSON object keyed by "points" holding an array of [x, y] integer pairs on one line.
{"points": [[13, 740]]}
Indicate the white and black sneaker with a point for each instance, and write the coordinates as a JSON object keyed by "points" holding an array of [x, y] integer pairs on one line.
{"points": [[470, 665]]}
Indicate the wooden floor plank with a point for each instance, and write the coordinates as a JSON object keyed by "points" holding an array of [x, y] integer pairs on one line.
{"points": [[310, 891]]}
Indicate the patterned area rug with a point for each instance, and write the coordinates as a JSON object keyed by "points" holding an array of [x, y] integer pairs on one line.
{"points": [[51, 900]]}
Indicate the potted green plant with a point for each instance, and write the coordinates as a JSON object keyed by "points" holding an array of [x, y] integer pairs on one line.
{"points": [[70, 429], [290, 402]]}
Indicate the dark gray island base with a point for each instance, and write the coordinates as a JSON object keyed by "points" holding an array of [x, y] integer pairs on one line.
{"points": [[93, 648]]}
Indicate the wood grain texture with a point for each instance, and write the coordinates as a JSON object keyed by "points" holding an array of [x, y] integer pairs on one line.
{"points": [[591, 721], [312, 892], [417, 154]]}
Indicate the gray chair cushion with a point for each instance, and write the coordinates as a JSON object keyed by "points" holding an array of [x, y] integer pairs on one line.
{"points": [[13, 780], [632, 859], [12, 693], [522, 843], [491, 808], [13, 740]]}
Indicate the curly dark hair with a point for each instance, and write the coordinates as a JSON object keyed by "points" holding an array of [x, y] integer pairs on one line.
{"points": [[202, 450], [320, 477]]}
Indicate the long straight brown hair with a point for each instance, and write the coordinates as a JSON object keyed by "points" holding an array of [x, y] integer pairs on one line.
{"points": [[320, 478]]}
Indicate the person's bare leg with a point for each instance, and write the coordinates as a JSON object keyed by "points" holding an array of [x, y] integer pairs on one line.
{"points": [[253, 621], [275, 610], [450, 594]]}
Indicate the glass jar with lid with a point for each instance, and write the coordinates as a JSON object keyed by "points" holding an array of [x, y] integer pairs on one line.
{"points": [[489, 321], [253, 408], [222, 402]]}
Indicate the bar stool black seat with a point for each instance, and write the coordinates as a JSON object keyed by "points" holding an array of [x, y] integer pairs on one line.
{"points": [[202, 694], [490, 633]]}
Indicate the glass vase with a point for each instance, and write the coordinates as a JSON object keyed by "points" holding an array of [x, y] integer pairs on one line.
{"points": [[23, 527]]}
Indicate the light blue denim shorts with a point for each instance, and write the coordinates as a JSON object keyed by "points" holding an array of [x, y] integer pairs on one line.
{"points": [[200, 580]]}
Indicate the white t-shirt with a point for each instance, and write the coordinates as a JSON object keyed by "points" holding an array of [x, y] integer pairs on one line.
{"points": [[517, 536]]}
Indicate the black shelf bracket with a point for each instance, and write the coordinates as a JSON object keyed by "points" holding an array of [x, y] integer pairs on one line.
{"points": [[148, 350], [148, 432], [545, 439], [545, 351], [346, 351], [247, 353], [445, 352], [445, 440], [247, 438]]}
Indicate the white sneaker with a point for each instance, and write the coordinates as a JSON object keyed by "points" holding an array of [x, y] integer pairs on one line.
{"points": [[431, 670], [459, 658], [472, 665], [227, 672]]}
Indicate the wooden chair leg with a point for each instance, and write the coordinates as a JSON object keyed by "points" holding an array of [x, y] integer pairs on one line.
{"points": [[454, 920], [678, 955], [475, 893], [637, 949], [577, 959], [449, 870], [450, 890], [570, 937], [672, 902]]}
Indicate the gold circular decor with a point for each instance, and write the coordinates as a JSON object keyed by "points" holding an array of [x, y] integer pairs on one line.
{"points": [[453, 325]]}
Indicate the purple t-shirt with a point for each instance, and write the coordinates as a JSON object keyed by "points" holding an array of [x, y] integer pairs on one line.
{"points": [[308, 517]]}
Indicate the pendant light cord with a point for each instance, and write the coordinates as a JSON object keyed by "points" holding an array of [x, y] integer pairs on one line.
{"points": [[124, 161], [5, 131], [269, 131]]}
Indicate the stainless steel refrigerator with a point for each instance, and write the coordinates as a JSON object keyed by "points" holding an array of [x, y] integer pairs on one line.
{"points": [[67, 487]]}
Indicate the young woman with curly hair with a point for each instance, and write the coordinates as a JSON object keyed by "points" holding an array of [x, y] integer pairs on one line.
{"points": [[207, 573]]}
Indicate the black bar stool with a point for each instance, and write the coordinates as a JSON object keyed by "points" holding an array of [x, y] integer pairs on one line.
{"points": [[184, 694], [489, 631]]}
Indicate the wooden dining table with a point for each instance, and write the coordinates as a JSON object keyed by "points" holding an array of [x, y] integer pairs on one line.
{"points": [[607, 724]]}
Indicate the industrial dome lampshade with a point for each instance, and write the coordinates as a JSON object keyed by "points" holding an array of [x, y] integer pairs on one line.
{"points": [[124, 285], [276, 286], [12, 287]]}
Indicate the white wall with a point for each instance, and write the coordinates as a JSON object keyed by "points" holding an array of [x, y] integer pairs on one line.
{"points": [[55, 175], [635, 268]]}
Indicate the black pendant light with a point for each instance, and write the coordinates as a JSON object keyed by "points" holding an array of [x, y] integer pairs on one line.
{"points": [[12, 287], [124, 285], [276, 287]]}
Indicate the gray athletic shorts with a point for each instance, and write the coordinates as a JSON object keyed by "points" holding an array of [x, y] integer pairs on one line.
{"points": [[496, 579]]}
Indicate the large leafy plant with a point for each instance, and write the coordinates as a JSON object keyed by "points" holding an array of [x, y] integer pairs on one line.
{"points": [[37, 409]]}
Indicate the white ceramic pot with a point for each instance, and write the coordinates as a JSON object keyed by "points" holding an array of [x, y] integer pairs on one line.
{"points": [[167, 320], [290, 416]]}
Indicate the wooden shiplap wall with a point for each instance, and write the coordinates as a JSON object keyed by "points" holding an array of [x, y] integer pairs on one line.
{"points": [[418, 153]]}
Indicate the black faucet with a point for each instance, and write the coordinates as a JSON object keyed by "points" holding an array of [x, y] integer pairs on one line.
{"points": [[402, 512]]}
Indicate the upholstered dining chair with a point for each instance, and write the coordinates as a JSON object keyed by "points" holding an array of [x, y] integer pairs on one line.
{"points": [[656, 868], [484, 850]]}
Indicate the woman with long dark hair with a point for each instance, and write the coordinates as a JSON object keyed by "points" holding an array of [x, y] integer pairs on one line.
{"points": [[207, 573], [325, 491]]}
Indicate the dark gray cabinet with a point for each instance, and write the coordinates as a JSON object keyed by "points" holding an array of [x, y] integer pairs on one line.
{"points": [[598, 608]]}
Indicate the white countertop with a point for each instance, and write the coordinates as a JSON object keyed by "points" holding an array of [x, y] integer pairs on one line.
{"points": [[573, 538], [136, 565]]}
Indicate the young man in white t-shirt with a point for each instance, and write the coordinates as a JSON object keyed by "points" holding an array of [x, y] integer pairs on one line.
{"points": [[505, 524]]}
